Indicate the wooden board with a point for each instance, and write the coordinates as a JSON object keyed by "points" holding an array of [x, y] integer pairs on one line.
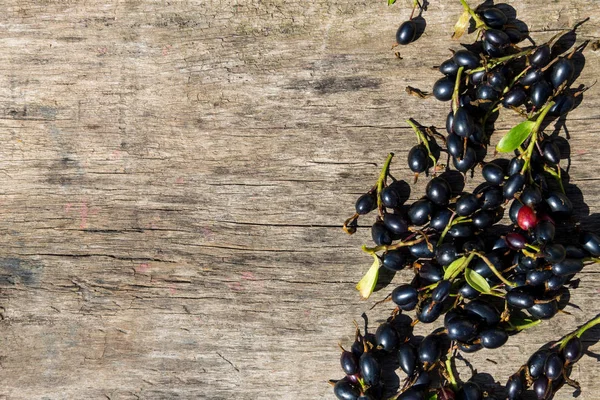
{"points": [[174, 180]]}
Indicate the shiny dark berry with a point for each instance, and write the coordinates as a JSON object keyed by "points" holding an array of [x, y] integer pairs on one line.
{"points": [[405, 294], [497, 80], [556, 282], [469, 347], [463, 124], [514, 97], [420, 212], [440, 219], [551, 152], [438, 191], [568, 266], [513, 185], [553, 367], [536, 363], [369, 368], [493, 173], [515, 166], [515, 240], [562, 71], [445, 254], [493, 338], [470, 391], [394, 260], [531, 196], [520, 299], [418, 159], [573, 350], [455, 145], [554, 253], [540, 93], [590, 242], [491, 50], [349, 362], [497, 38], [541, 387], [407, 32], [407, 358], [540, 57], [574, 251], [366, 203], [392, 196], [386, 337], [514, 34], [486, 92], [441, 291], [395, 223], [526, 218], [559, 204], [515, 386], [488, 313], [477, 77], [430, 349], [464, 58], [543, 310], [491, 198], [430, 311], [380, 234], [449, 67], [462, 230], [411, 394], [483, 219], [538, 277], [562, 104], [345, 390], [533, 76], [493, 17], [443, 89], [544, 231], [421, 250], [468, 292], [467, 204], [462, 329], [468, 160]]}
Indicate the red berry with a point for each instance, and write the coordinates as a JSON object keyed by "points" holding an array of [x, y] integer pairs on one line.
{"points": [[526, 218], [515, 240]]}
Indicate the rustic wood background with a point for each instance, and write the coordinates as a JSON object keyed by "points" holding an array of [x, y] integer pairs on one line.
{"points": [[174, 179]]}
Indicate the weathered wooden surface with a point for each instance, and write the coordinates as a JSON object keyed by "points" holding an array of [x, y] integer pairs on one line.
{"points": [[174, 178]]}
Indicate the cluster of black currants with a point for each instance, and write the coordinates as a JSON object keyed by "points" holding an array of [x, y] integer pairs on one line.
{"points": [[489, 280], [425, 362], [548, 369]]}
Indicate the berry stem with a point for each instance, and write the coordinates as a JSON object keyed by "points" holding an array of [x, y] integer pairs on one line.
{"points": [[455, 101], [451, 377], [534, 135], [423, 139], [380, 182], [579, 332], [494, 270], [478, 21]]}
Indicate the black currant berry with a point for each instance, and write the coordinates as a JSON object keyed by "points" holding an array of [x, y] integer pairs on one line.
{"points": [[407, 32], [540, 57], [467, 59], [380, 234], [420, 211], [562, 71], [407, 358], [406, 297], [438, 191], [418, 159], [493, 338], [540, 93], [493, 17], [443, 89], [514, 97], [366, 203], [430, 349]]}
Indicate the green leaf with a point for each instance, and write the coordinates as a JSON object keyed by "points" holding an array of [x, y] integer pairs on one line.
{"points": [[390, 2], [515, 137], [433, 396], [461, 25], [520, 323], [367, 284], [477, 281], [454, 267]]}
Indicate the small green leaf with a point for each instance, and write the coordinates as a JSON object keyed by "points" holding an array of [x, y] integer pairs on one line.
{"points": [[367, 284], [454, 267], [477, 281], [515, 137], [461, 25], [520, 323], [390, 2], [433, 396]]}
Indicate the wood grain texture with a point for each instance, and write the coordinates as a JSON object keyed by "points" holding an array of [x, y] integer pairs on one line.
{"points": [[174, 179]]}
